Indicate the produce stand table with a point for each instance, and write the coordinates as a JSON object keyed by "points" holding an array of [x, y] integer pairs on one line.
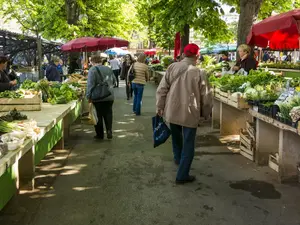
{"points": [[273, 136], [158, 76], [287, 72], [229, 119], [18, 166]]}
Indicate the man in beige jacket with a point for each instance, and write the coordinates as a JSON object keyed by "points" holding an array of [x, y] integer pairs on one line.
{"points": [[182, 96]]}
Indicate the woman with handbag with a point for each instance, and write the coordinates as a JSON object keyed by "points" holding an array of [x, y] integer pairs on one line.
{"points": [[138, 75], [101, 80], [124, 74]]}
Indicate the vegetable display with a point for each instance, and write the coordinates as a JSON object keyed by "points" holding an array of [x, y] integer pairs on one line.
{"points": [[157, 67], [274, 95], [57, 93], [13, 115], [11, 94], [6, 127], [28, 85]]}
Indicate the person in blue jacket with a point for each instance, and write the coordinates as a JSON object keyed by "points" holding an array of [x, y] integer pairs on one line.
{"points": [[52, 73]]}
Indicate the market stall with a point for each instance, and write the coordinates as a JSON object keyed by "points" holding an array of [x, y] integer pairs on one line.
{"points": [[273, 104], [27, 136]]}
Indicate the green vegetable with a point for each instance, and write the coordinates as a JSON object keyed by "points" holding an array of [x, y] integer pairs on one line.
{"points": [[157, 67], [7, 127], [13, 115], [29, 85], [10, 94]]}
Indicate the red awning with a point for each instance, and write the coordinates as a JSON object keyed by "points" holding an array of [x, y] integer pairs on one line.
{"points": [[93, 44], [280, 32], [150, 52], [177, 45]]}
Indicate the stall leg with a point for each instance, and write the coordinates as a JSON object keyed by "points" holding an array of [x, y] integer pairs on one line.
{"points": [[216, 114], [289, 155], [232, 120], [27, 169], [66, 128], [267, 137]]}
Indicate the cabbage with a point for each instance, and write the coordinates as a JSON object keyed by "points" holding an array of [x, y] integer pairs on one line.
{"points": [[236, 94]]}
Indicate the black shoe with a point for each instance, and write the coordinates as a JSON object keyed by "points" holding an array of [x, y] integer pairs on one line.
{"points": [[98, 137], [189, 180], [109, 135]]}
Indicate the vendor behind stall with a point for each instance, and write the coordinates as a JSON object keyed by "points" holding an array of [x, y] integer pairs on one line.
{"points": [[246, 62], [52, 73], [6, 83]]}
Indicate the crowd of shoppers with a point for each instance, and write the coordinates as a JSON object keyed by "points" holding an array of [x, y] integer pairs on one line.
{"points": [[182, 98]]}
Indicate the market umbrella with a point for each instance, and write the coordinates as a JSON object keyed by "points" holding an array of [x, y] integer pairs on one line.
{"points": [[280, 32], [93, 44], [84, 43], [116, 51], [110, 42], [150, 51]]}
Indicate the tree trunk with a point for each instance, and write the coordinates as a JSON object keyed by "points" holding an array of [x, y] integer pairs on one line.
{"points": [[151, 43], [39, 56], [249, 12], [185, 38], [72, 11]]}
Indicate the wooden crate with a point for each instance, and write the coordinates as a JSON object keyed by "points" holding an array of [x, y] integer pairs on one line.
{"points": [[247, 145], [28, 103], [237, 101], [251, 129], [223, 96], [273, 163]]}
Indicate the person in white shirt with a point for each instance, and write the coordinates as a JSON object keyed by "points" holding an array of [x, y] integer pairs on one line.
{"points": [[115, 66]]}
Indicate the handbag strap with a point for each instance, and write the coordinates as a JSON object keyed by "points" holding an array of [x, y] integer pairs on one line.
{"points": [[101, 79], [100, 74], [131, 68]]}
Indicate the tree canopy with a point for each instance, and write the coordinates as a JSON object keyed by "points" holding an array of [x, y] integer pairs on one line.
{"points": [[66, 19], [159, 19]]}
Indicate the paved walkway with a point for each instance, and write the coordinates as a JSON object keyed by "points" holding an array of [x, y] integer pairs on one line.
{"points": [[127, 182]]}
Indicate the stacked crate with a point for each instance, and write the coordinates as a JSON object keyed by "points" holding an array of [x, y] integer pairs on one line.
{"points": [[247, 141]]}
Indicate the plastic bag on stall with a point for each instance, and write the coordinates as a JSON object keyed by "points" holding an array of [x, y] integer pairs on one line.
{"points": [[161, 131], [93, 114]]}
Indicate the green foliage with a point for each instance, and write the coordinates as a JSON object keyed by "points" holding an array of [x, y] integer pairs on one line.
{"points": [[200, 15], [28, 85], [157, 67], [268, 6], [262, 81], [28, 13], [74, 18], [167, 60]]}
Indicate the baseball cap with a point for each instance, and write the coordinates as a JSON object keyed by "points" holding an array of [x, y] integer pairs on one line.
{"points": [[191, 50]]}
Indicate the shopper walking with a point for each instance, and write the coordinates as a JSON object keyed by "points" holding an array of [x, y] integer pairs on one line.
{"points": [[183, 94], [115, 66], [124, 74], [52, 73], [141, 76], [101, 76]]}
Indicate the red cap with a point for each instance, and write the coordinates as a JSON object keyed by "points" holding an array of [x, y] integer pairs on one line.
{"points": [[191, 50]]}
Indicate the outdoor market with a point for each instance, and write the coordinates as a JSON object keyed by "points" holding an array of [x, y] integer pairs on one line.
{"points": [[155, 118]]}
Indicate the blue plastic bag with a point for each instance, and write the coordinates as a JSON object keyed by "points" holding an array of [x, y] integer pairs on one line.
{"points": [[161, 131]]}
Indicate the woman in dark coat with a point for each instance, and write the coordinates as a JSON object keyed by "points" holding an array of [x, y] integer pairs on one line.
{"points": [[6, 82], [124, 74], [246, 62]]}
